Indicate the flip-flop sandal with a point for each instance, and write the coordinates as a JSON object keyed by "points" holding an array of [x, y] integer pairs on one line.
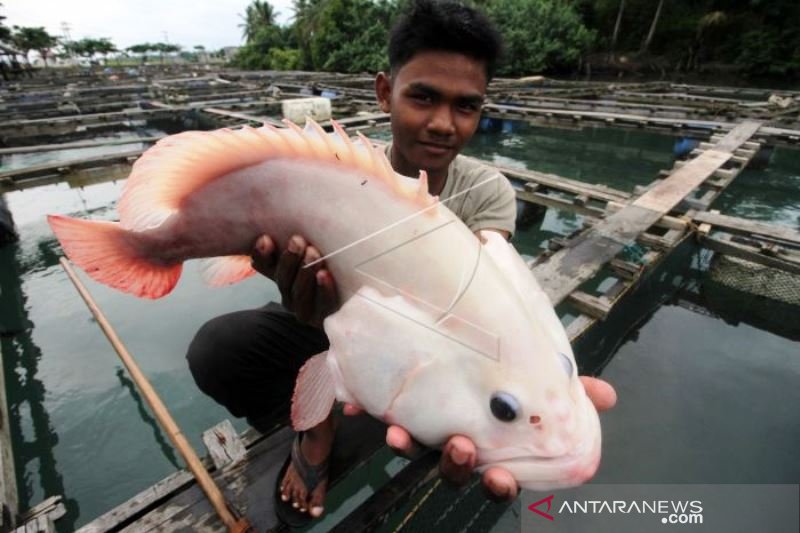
{"points": [[312, 475]]}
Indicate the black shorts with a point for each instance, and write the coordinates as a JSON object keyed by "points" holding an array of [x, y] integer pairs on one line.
{"points": [[248, 361]]}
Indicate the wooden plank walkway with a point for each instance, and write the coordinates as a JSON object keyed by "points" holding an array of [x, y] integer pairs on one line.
{"points": [[773, 134], [178, 504], [567, 269]]}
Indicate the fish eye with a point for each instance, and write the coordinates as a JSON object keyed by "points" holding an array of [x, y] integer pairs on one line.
{"points": [[566, 363], [504, 406]]}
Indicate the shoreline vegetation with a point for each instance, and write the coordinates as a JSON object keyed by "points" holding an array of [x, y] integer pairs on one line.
{"points": [[580, 39]]}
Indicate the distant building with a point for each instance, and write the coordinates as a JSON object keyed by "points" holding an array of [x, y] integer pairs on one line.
{"points": [[230, 52]]}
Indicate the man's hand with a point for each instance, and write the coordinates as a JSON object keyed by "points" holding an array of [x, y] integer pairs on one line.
{"points": [[459, 454], [308, 292]]}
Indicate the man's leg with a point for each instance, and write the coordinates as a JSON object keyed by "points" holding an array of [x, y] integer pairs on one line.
{"points": [[248, 362]]}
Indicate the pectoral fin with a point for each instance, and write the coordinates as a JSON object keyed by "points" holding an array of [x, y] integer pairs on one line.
{"points": [[314, 393]]}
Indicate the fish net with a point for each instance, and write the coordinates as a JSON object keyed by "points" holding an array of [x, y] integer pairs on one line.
{"points": [[753, 278], [738, 290]]}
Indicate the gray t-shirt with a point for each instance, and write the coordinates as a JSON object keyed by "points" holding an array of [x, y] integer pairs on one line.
{"points": [[480, 196]]}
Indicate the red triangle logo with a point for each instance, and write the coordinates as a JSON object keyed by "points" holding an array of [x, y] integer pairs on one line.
{"points": [[548, 500]]}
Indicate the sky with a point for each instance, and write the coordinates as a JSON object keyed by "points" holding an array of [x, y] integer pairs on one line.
{"points": [[211, 23]]}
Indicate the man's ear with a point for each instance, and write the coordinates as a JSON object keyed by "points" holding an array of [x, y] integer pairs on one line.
{"points": [[383, 91]]}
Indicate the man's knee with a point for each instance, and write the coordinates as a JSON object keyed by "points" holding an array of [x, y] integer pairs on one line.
{"points": [[210, 354]]}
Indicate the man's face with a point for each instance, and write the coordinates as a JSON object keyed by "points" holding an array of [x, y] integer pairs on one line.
{"points": [[435, 100]]}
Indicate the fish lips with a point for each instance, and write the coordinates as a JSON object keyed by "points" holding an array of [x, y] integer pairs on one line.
{"points": [[535, 472]]}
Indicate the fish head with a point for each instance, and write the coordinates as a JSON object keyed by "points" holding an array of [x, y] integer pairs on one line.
{"points": [[539, 424], [527, 412]]}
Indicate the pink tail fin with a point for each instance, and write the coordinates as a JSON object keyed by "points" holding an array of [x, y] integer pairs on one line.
{"points": [[111, 256]]}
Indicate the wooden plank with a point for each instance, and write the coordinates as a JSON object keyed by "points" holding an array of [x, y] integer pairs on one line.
{"points": [[243, 116], [666, 194], [223, 444], [738, 136], [74, 145], [8, 479], [62, 167], [568, 268], [558, 203], [178, 504], [594, 306], [751, 254], [748, 227]]}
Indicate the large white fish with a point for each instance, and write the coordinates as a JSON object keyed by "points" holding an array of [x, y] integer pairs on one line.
{"points": [[437, 331]]}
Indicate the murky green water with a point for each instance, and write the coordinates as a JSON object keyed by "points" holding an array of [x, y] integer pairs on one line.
{"points": [[80, 429]]}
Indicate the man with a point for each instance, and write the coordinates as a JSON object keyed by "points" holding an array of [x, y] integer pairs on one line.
{"points": [[442, 56]]}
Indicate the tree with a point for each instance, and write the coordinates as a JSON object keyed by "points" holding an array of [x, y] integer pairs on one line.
{"points": [[104, 46], [165, 48], [258, 15], [30, 38], [141, 49], [540, 35], [653, 25], [617, 25], [345, 35], [5, 31]]}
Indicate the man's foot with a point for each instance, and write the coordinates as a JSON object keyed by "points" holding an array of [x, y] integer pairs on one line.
{"points": [[306, 481]]}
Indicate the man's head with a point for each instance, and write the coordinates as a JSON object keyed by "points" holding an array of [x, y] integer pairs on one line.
{"points": [[442, 55], [445, 25]]}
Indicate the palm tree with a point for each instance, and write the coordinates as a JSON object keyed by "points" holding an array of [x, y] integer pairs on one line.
{"points": [[257, 15], [649, 39], [617, 26]]}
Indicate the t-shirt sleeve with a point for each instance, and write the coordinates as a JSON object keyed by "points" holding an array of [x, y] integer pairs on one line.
{"points": [[496, 206]]}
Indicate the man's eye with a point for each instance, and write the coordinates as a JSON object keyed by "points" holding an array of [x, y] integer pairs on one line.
{"points": [[469, 108], [424, 98]]}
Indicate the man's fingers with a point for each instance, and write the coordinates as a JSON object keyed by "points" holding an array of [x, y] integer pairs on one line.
{"points": [[326, 299], [600, 392], [458, 460], [304, 289], [286, 270], [351, 410], [500, 485], [263, 258], [401, 442]]}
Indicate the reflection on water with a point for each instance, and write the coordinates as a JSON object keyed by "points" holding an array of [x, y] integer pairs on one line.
{"points": [[620, 159], [771, 194], [33, 436], [80, 429]]}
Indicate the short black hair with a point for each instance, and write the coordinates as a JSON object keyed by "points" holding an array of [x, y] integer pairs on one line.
{"points": [[444, 25]]}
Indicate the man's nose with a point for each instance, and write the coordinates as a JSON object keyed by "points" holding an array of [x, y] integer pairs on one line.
{"points": [[441, 121]]}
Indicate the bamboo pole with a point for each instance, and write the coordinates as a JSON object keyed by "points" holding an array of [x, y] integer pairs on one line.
{"points": [[160, 410]]}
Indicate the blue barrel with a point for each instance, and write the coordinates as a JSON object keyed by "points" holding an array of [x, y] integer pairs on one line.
{"points": [[683, 146]]}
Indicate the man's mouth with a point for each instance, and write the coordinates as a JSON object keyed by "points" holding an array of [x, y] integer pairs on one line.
{"points": [[436, 148]]}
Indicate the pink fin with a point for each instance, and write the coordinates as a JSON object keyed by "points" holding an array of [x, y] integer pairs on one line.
{"points": [[219, 271], [314, 393], [178, 165], [112, 255]]}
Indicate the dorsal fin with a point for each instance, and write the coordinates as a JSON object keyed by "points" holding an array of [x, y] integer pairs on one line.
{"points": [[180, 164]]}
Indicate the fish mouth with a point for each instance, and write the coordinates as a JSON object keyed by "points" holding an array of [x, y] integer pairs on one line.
{"points": [[535, 472], [576, 465]]}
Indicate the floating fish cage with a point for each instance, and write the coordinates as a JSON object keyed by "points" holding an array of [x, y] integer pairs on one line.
{"points": [[741, 291], [755, 279]]}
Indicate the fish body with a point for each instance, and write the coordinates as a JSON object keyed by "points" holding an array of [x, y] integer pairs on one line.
{"points": [[438, 332]]}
